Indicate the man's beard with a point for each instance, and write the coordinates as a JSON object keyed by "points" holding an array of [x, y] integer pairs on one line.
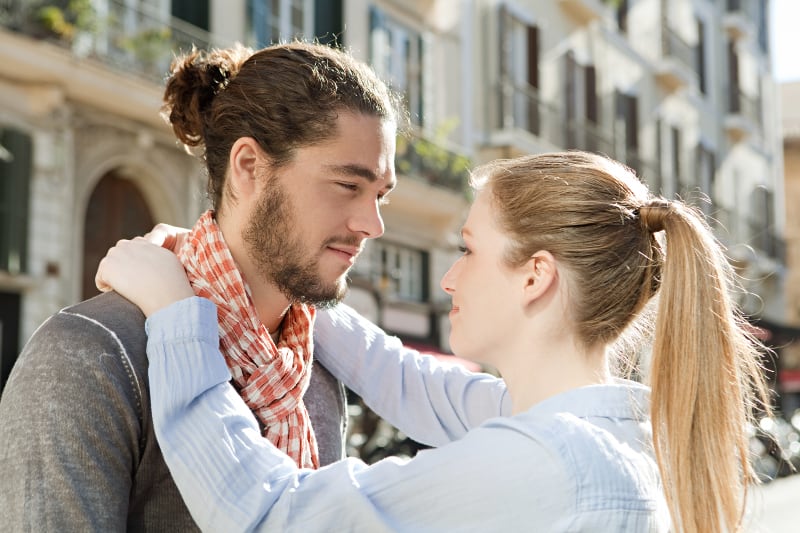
{"points": [[280, 255]]}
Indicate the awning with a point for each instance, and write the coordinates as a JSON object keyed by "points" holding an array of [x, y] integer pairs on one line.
{"points": [[429, 349]]}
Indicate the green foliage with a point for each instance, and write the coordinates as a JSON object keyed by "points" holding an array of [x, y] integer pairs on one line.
{"points": [[430, 158], [149, 44], [65, 19]]}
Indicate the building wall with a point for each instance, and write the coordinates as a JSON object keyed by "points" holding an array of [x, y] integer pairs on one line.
{"points": [[88, 117], [84, 120]]}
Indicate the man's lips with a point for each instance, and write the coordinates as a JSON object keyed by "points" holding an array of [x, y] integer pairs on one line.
{"points": [[348, 252]]}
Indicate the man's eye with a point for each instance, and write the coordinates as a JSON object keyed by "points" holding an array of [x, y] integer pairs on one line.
{"points": [[348, 186]]}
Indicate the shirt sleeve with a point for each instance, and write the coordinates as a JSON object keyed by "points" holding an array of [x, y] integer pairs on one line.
{"points": [[432, 402], [234, 480]]}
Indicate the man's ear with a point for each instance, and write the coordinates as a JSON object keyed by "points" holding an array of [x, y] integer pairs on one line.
{"points": [[540, 275], [245, 156]]}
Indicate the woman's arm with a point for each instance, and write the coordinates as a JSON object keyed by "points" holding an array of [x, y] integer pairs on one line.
{"points": [[431, 402], [234, 480]]}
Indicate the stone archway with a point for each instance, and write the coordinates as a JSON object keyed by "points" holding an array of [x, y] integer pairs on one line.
{"points": [[116, 210]]}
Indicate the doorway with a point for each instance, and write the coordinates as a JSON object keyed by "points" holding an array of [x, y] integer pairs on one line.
{"points": [[116, 210]]}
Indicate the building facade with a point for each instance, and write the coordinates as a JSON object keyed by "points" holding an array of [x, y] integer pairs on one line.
{"points": [[789, 336], [681, 91]]}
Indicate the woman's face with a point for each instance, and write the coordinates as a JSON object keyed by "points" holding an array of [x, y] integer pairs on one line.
{"points": [[486, 293]]}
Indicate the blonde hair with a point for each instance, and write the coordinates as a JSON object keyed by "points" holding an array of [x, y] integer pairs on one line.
{"points": [[601, 223]]}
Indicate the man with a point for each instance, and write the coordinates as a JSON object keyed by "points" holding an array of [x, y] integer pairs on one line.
{"points": [[298, 140]]}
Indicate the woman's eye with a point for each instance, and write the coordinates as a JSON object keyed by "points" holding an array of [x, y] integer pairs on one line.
{"points": [[464, 250]]}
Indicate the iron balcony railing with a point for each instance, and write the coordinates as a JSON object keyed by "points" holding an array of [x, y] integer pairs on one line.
{"points": [[433, 160], [745, 8], [737, 228], [743, 104], [673, 45], [136, 39], [519, 106], [588, 136]]}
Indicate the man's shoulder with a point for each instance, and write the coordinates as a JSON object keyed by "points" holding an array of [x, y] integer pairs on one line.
{"points": [[107, 318], [110, 310], [103, 337]]}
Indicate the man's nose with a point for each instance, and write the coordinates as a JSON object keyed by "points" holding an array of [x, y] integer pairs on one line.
{"points": [[368, 221]]}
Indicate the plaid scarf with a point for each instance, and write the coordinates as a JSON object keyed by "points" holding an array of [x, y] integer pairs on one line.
{"points": [[270, 379]]}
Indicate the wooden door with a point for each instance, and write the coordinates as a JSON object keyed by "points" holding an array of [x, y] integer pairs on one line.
{"points": [[116, 210]]}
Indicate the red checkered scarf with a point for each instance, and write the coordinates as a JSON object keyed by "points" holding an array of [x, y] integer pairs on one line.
{"points": [[271, 379]]}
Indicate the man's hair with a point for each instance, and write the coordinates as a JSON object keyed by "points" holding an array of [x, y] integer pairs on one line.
{"points": [[284, 96]]}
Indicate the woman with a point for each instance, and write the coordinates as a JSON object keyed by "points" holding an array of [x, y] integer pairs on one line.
{"points": [[562, 259]]}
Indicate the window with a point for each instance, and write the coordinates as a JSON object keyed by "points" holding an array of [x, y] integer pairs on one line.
{"points": [[762, 221], [763, 27], [519, 72], [397, 271], [581, 106], [271, 21], [328, 24], [627, 128], [705, 170], [194, 12], [675, 136], [734, 102], [9, 333], [627, 115], [622, 15], [396, 56], [700, 50], [15, 174]]}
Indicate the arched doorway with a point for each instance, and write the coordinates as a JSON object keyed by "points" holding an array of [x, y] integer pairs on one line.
{"points": [[116, 210]]}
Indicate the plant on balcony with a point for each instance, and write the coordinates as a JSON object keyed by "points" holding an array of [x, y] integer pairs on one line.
{"points": [[430, 158], [149, 45], [64, 20]]}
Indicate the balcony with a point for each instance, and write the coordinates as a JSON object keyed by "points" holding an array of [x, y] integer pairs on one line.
{"points": [[522, 122], [678, 64], [585, 11], [750, 243], [134, 40], [647, 170], [738, 18], [588, 136], [433, 161], [742, 117]]}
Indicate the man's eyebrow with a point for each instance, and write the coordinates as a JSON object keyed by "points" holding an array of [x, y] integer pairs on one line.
{"points": [[353, 170], [359, 171]]}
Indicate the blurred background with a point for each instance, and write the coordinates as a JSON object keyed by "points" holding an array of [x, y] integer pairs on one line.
{"points": [[700, 97]]}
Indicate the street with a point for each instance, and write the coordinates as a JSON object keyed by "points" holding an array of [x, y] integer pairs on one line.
{"points": [[775, 507]]}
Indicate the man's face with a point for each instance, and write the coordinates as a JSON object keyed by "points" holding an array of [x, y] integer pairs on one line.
{"points": [[315, 213]]}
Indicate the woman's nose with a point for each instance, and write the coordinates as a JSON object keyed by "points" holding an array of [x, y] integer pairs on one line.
{"points": [[448, 282]]}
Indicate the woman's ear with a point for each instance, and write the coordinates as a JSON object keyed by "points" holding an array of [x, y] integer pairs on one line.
{"points": [[242, 166], [540, 274]]}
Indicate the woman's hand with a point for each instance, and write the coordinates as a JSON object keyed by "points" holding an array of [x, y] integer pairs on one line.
{"points": [[147, 274], [166, 236]]}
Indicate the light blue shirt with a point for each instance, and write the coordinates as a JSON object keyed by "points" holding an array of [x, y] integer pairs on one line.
{"points": [[578, 461]]}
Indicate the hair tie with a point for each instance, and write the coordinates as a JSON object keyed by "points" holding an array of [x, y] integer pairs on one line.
{"points": [[654, 213]]}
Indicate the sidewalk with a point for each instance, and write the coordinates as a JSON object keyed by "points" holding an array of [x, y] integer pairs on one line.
{"points": [[775, 507]]}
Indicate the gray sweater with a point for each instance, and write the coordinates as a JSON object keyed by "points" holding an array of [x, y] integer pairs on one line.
{"points": [[77, 447]]}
